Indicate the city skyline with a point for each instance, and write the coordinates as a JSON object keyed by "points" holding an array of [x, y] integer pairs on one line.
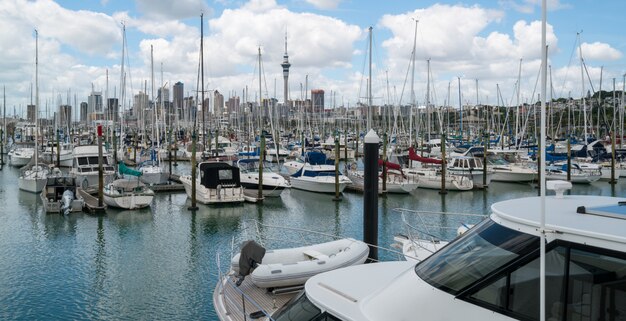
{"points": [[327, 41]]}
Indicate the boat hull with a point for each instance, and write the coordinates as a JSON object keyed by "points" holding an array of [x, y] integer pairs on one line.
{"points": [[213, 196], [320, 184]]}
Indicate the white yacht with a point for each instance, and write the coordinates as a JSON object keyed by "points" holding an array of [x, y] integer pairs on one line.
{"points": [[273, 183], [85, 168], [471, 167], [20, 155], [66, 155], [218, 183], [127, 194], [492, 272]]}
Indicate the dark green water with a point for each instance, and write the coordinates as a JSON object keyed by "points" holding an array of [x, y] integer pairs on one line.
{"points": [[160, 263]]}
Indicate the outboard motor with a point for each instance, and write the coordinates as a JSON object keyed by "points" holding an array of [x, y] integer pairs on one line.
{"points": [[66, 201], [250, 257]]}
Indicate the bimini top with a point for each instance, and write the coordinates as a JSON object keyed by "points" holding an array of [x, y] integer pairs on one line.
{"points": [[594, 220]]}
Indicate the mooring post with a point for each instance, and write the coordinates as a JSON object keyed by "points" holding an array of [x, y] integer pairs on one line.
{"points": [[100, 174], [337, 195], [370, 194], [443, 190]]}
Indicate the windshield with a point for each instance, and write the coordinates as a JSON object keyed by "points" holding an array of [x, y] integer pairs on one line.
{"points": [[299, 308], [477, 253]]}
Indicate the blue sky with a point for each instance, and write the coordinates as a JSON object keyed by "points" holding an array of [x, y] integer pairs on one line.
{"points": [[484, 40]]}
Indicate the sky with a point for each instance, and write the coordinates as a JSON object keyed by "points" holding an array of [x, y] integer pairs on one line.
{"points": [[485, 45]]}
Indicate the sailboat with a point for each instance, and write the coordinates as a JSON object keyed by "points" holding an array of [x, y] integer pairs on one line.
{"points": [[152, 172], [128, 193], [33, 178]]}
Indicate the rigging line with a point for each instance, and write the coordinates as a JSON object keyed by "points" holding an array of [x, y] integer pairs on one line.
{"points": [[571, 57]]}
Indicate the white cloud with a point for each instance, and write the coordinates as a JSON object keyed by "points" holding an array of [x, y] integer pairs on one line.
{"points": [[86, 31], [322, 41], [454, 39], [529, 6], [90, 34], [167, 9], [600, 51], [325, 4]]}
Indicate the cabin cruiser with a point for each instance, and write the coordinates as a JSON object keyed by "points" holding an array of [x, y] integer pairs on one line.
{"points": [[491, 272], [21, 154], [85, 168], [65, 154], [219, 182], [273, 183], [471, 167]]}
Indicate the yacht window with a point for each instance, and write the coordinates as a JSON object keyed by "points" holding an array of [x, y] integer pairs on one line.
{"points": [[225, 174], [474, 255], [517, 292], [82, 161], [93, 160], [298, 309], [597, 287]]}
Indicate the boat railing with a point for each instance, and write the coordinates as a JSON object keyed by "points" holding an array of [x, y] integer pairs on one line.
{"points": [[432, 226]]}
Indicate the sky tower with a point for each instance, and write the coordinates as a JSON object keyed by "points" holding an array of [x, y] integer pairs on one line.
{"points": [[286, 66]]}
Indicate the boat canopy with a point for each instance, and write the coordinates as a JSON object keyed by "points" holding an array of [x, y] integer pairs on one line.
{"points": [[127, 171], [213, 174]]}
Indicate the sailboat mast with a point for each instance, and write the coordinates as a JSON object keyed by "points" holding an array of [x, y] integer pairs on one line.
{"points": [[202, 79], [541, 169], [36, 155], [582, 78], [260, 109], [369, 86], [413, 83]]}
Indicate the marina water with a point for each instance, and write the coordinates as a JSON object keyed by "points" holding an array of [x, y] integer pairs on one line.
{"points": [[160, 263]]}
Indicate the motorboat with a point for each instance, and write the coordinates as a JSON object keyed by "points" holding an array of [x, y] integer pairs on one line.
{"points": [[86, 167], [65, 154], [273, 184], [60, 195], [577, 174], [20, 156], [491, 272], [218, 183], [318, 175], [471, 167]]}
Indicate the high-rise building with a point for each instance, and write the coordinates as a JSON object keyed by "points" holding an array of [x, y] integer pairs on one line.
{"points": [[140, 102], [218, 103], [317, 100], [232, 105], [65, 115], [30, 113], [113, 109], [95, 102], [190, 109], [178, 99], [84, 108]]}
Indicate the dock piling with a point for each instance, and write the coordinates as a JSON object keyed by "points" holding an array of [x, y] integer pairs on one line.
{"points": [[370, 194]]}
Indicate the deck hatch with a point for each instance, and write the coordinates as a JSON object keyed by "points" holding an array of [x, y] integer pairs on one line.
{"points": [[615, 211]]}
